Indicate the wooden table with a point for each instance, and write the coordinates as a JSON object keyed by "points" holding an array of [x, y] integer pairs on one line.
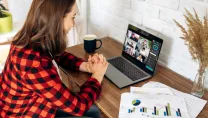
{"points": [[109, 100]]}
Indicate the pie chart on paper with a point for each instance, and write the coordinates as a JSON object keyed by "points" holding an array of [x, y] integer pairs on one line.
{"points": [[136, 102]]}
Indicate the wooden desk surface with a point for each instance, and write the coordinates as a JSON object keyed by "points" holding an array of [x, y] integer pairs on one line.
{"points": [[109, 100]]}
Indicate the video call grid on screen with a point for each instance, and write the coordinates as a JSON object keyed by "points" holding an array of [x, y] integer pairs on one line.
{"points": [[137, 46]]}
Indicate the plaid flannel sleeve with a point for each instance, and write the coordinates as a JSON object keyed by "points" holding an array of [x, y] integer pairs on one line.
{"points": [[68, 60], [44, 80]]}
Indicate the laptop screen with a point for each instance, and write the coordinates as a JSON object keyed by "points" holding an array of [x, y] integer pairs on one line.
{"points": [[142, 48]]}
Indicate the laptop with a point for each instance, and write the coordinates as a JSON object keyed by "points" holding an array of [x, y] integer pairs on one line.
{"points": [[138, 59]]}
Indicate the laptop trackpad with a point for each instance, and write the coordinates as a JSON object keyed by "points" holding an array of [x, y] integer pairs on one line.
{"points": [[117, 77]]}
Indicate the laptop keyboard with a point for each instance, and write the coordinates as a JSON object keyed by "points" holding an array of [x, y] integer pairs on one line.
{"points": [[127, 68]]}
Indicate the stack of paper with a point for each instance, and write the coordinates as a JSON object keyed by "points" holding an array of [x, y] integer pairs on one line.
{"points": [[194, 104], [156, 100]]}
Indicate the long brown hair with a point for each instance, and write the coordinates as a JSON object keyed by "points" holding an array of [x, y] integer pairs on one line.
{"points": [[44, 26]]}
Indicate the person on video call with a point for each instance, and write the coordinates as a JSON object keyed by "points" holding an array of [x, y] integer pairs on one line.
{"points": [[144, 44], [137, 49], [133, 37], [142, 52], [30, 84], [129, 34], [140, 58]]}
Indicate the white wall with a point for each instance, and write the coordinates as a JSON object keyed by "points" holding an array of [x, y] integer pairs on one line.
{"points": [[111, 18], [19, 9]]}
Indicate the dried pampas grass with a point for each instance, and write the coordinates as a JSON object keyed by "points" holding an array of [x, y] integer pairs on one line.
{"points": [[196, 38]]}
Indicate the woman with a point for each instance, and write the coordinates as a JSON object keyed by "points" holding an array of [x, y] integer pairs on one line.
{"points": [[30, 84]]}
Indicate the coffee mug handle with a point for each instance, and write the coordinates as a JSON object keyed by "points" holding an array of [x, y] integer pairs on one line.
{"points": [[100, 43]]}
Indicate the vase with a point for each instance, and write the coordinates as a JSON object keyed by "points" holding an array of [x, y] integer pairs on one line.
{"points": [[198, 85]]}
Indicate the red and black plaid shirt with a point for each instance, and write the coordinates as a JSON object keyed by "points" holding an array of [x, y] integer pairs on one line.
{"points": [[30, 86]]}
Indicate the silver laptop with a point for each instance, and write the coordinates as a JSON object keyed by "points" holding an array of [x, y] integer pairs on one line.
{"points": [[138, 60]]}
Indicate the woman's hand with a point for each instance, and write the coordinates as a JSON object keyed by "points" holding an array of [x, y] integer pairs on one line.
{"points": [[83, 67], [97, 57], [97, 65], [93, 59]]}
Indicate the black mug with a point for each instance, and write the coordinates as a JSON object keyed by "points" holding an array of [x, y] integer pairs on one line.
{"points": [[90, 42]]}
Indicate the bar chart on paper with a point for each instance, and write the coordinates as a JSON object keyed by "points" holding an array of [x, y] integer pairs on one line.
{"points": [[151, 106]]}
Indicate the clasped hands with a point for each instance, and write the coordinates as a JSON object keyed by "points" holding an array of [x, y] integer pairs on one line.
{"points": [[97, 65]]}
